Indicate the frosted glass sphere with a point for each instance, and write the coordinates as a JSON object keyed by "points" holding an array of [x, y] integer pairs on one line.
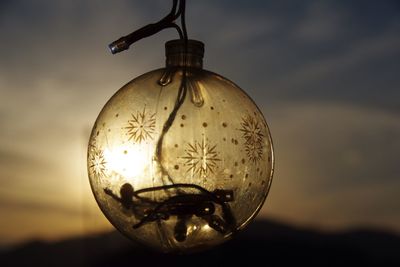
{"points": [[193, 183]]}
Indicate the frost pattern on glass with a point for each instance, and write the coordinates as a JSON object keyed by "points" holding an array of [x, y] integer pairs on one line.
{"points": [[252, 133], [97, 162], [142, 126], [201, 158]]}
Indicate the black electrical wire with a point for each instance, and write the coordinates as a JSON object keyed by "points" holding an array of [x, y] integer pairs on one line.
{"points": [[219, 224], [178, 10], [124, 42]]}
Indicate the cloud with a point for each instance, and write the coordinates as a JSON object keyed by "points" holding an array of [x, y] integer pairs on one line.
{"points": [[40, 207], [324, 73], [27, 220], [12, 162], [296, 50], [330, 51], [322, 22], [335, 164]]}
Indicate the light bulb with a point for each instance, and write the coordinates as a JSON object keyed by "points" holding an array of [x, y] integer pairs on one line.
{"points": [[186, 177]]}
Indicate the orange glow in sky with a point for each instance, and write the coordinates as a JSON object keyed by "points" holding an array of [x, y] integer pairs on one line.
{"points": [[329, 93]]}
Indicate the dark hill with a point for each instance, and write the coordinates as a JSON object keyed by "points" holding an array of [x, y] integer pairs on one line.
{"points": [[264, 243]]}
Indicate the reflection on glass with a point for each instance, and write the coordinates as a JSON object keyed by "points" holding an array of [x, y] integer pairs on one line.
{"points": [[193, 185]]}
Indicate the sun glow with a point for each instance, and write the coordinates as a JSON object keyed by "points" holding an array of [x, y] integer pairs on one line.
{"points": [[128, 161]]}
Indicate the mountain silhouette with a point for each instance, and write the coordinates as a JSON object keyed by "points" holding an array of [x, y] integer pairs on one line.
{"points": [[263, 243]]}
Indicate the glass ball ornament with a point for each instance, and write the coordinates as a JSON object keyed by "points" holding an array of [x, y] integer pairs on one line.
{"points": [[180, 176]]}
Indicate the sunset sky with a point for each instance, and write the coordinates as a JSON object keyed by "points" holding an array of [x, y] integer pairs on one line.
{"points": [[324, 73]]}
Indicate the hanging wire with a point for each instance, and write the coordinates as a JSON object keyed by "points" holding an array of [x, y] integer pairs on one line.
{"points": [[178, 10], [125, 42], [224, 224], [181, 92]]}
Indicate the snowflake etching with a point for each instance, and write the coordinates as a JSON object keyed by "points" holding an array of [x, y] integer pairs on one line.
{"points": [[254, 151], [141, 126], [97, 162], [201, 158], [254, 138]]}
